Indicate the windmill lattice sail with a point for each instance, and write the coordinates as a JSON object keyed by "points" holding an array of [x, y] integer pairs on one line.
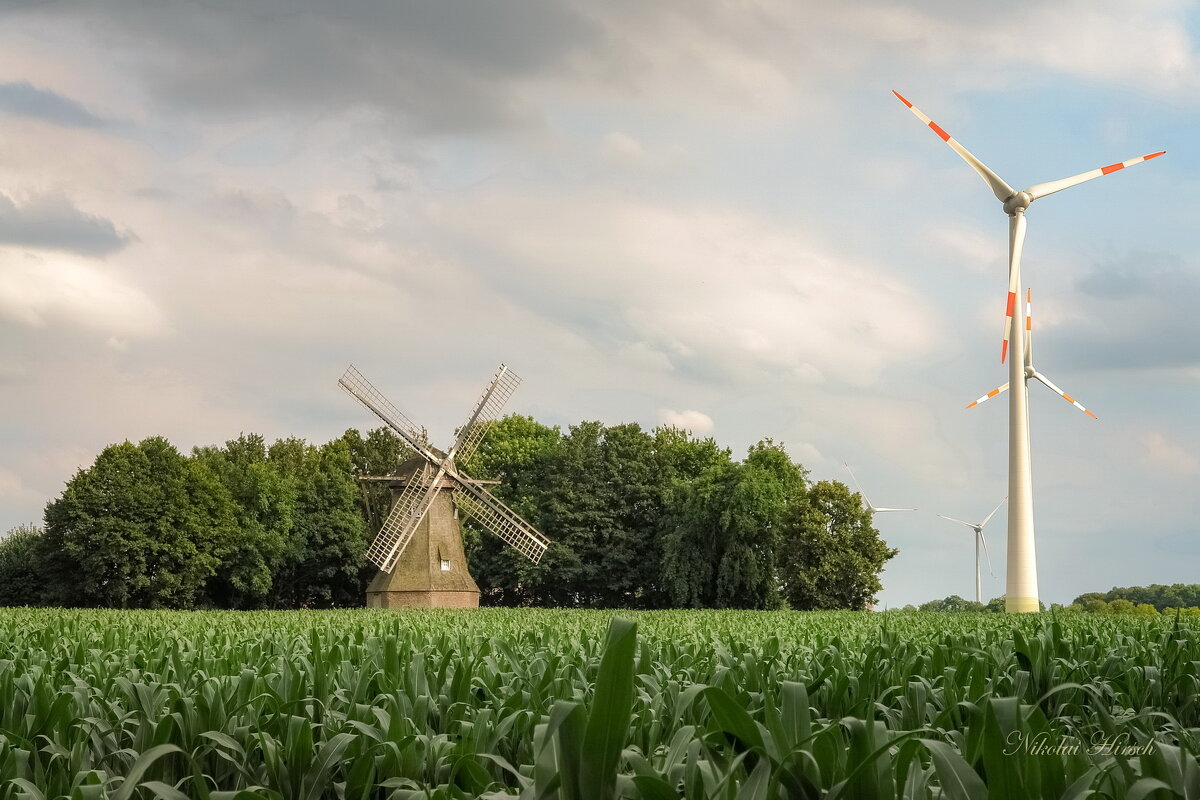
{"points": [[487, 411]]}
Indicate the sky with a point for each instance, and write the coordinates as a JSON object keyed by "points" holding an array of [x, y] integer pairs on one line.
{"points": [[708, 214]]}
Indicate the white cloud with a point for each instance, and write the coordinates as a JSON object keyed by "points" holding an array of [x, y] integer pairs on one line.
{"points": [[59, 289], [1168, 455], [695, 421], [747, 297]]}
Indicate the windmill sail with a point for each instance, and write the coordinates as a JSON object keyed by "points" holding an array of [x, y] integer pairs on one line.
{"points": [[406, 514], [487, 411], [501, 520], [365, 392]]}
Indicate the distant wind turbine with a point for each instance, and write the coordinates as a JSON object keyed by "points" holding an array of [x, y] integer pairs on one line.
{"points": [[979, 540], [1021, 584], [1030, 372], [866, 501]]}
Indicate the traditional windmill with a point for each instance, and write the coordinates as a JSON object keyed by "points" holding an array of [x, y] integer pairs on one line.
{"points": [[419, 549]]}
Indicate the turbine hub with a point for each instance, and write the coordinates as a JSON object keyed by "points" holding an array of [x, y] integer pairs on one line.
{"points": [[1030, 373], [1017, 202]]}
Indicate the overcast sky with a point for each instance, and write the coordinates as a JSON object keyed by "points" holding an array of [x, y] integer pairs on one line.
{"points": [[708, 214]]}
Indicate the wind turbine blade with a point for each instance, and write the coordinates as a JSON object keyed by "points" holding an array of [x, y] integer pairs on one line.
{"points": [[1029, 328], [983, 541], [1049, 384], [999, 188], [994, 510], [989, 395], [1043, 189], [1016, 240], [959, 521], [866, 499], [881, 510]]}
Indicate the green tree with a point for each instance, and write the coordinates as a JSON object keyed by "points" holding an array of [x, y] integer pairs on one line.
{"points": [[377, 454], [515, 451], [322, 566], [832, 554], [143, 527], [722, 541], [265, 503], [953, 603], [22, 571]]}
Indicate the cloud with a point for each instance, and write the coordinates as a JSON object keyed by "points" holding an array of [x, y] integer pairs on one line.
{"points": [[695, 421], [38, 292], [1167, 455], [724, 294], [51, 222], [26, 100], [1154, 296]]}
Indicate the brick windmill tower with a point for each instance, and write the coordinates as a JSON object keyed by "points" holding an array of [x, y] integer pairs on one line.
{"points": [[419, 548]]}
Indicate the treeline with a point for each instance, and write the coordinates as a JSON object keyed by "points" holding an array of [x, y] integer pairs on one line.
{"points": [[239, 526], [1158, 597], [638, 520], [1143, 601]]}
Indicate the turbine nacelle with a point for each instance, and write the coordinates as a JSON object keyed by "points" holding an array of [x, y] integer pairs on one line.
{"points": [[1018, 202]]}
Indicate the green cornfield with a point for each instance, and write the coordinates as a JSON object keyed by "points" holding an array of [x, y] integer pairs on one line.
{"points": [[588, 705]]}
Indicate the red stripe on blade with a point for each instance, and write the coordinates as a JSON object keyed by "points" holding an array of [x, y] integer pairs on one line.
{"points": [[1012, 299], [945, 136], [1111, 168], [1155, 155], [901, 97], [1004, 351]]}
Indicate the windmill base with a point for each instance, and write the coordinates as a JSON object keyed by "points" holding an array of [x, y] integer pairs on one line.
{"points": [[422, 599]]}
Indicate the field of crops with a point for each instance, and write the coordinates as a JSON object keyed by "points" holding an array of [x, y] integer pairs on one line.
{"points": [[569, 704]]}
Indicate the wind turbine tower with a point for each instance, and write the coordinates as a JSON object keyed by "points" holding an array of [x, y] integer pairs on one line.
{"points": [[1021, 582]]}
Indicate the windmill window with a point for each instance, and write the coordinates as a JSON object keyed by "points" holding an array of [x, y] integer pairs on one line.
{"points": [[445, 565]]}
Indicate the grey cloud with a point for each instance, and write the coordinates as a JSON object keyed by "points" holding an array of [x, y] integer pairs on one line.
{"points": [[52, 222], [26, 100], [1145, 318], [449, 64]]}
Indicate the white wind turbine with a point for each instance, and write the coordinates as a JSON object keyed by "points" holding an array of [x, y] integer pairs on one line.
{"points": [[979, 540], [864, 495], [1021, 584]]}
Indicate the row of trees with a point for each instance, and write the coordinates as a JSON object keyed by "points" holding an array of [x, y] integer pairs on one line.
{"points": [[661, 519], [637, 519], [239, 526], [1160, 597]]}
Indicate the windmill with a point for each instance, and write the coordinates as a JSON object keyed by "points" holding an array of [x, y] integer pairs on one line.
{"points": [[979, 540], [1021, 583], [419, 548], [866, 501], [1030, 372]]}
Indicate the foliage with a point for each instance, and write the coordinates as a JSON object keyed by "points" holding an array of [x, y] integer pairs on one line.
{"points": [[542, 704], [21, 568], [832, 554], [1176, 595], [264, 501], [323, 565], [721, 545], [954, 604], [143, 527]]}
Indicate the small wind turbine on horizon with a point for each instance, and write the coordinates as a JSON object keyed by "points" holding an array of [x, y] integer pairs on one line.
{"points": [[979, 540], [1021, 590], [867, 501]]}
